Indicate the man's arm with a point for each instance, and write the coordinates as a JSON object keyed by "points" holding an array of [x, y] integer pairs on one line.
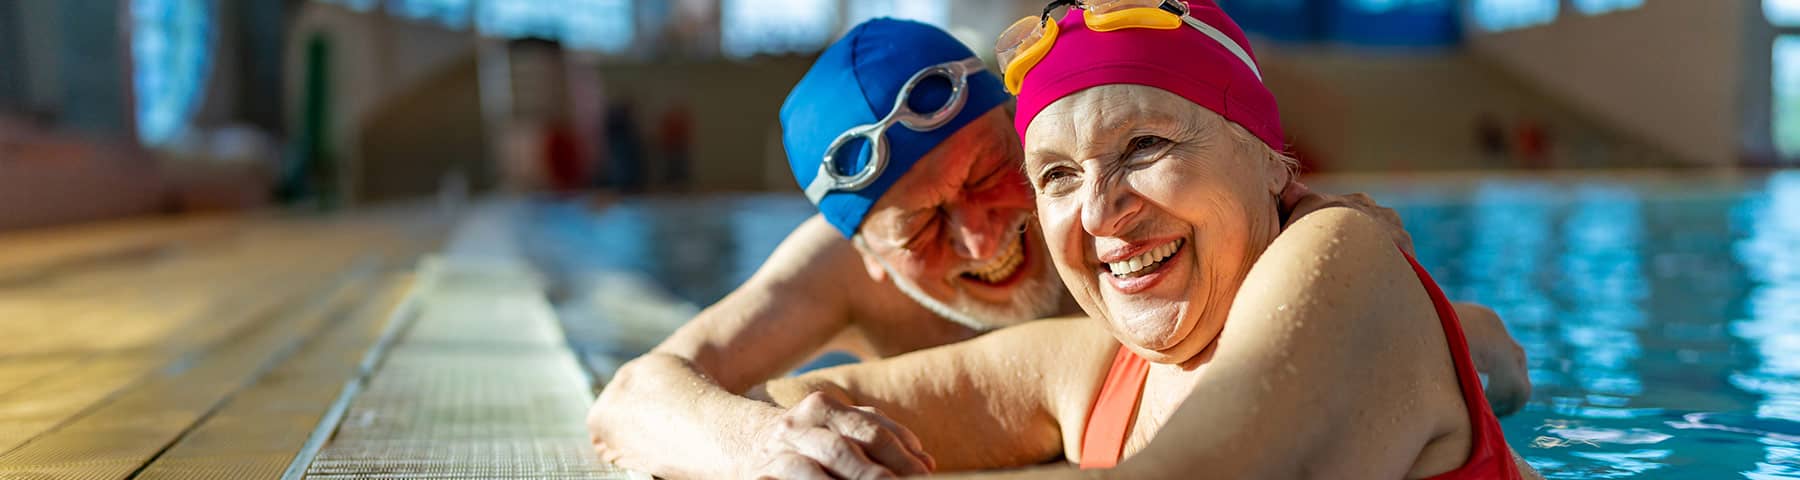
{"points": [[1497, 355], [985, 403], [676, 412]]}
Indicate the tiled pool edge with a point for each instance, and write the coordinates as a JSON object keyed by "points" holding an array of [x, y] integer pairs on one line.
{"points": [[440, 278]]}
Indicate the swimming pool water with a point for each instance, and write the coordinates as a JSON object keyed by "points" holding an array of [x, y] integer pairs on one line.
{"points": [[1661, 315]]}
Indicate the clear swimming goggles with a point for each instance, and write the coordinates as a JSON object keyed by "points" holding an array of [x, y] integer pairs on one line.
{"points": [[1024, 44], [829, 180]]}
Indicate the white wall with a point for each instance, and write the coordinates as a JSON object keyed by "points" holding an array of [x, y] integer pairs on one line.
{"points": [[1668, 73], [373, 58], [1417, 110]]}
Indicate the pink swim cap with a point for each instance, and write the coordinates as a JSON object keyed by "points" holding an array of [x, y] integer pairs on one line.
{"points": [[1210, 64]]}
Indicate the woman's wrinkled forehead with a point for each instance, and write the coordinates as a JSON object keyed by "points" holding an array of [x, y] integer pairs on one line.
{"points": [[1091, 121]]}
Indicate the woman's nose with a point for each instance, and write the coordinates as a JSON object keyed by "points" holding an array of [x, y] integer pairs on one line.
{"points": [[1107, 208]]}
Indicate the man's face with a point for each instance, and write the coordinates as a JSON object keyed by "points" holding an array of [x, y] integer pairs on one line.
{"points": [[955, 232]]}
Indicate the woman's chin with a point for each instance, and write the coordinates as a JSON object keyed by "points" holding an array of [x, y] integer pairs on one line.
{"points": [[1163, 338], [1179, 354]]}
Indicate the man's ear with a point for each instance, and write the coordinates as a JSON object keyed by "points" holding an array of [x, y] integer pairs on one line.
{"points": [[870, 263], [876, 273]]}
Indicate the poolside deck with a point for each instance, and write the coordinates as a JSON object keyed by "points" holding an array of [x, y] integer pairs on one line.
{"points": [[355, 346]]}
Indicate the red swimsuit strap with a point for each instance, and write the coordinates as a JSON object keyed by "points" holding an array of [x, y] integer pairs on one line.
{"points": [[1488, 454], [1103, 442]]}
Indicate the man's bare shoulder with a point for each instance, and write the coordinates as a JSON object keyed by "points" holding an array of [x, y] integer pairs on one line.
{"points": [[814, 253]]}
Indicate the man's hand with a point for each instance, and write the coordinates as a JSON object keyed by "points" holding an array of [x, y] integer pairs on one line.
{"points": [[821, 437], [1497, 355], [1298, 200]]}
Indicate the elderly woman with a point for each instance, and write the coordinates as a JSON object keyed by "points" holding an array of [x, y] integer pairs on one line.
{"points": [[1312, 350]]}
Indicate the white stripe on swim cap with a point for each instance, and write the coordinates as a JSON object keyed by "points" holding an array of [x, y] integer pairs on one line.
{"points": [[1225, 41]]}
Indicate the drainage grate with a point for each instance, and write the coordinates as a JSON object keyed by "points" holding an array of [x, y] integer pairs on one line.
{"points": [[480, 385]]}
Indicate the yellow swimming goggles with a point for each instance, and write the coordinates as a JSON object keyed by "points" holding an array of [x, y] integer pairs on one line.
{"points": [[1025, 43]]}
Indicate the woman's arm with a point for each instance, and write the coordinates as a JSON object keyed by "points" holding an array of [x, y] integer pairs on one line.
{"points": [[1332, 362], [990, 402], [1496, 353]]}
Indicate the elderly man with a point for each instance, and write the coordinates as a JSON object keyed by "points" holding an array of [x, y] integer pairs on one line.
{"points": [[925, 237]]}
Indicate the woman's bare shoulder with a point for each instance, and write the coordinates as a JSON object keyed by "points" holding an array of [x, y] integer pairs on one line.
{"points": [[1332, 258]]}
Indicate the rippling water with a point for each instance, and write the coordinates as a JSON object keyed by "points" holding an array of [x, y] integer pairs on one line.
{"points": [[1661, 316]]}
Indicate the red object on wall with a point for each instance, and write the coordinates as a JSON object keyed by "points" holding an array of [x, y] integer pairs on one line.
{"points": [[562, 157]]}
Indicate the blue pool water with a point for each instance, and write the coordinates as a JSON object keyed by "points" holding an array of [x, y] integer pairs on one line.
{"points": [[1661, 315]]}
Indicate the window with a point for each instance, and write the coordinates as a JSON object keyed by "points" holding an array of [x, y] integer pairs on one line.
{"points": [[1786, 72], [450, 13], [1782, 13], [598, 25], [1497, 15], [1596, 7], [601, 25], [1385, 6], [357, 5], [934, 12], [1278, 20], [1413, 23], [751, 27], [170, 55]]}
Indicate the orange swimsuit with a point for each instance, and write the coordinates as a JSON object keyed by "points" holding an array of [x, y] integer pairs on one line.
{"points": [[1103, 443]]}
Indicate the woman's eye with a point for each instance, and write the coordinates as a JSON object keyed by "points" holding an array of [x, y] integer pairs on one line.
{"points": [[1144, 150], [1053, 180], [1146, 142]]}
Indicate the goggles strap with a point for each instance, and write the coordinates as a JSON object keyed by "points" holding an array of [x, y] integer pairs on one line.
{"points": [[821, 184], [1224, 41]]}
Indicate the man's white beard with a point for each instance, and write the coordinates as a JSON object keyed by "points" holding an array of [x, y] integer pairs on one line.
{"points": [[1033, 298]]}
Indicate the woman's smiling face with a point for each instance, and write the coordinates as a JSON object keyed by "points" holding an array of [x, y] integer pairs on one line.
{"points": [[1153, 209]]}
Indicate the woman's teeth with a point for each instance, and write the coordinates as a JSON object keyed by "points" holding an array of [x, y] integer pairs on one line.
{"points": [[1003, 265], [1146, 261]]}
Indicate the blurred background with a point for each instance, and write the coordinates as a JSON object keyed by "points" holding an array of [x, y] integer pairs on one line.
{"points": [[179, 175], [129, 107]]}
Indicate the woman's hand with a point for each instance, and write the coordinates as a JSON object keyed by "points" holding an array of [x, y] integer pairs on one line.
{"points": [[821, 437]]}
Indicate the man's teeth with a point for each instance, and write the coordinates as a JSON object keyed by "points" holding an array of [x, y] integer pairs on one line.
{"points": [[1003, 264], [1144, 261]]}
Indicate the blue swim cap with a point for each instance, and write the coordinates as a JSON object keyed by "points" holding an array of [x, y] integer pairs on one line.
{"points": [[854, 83]]}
